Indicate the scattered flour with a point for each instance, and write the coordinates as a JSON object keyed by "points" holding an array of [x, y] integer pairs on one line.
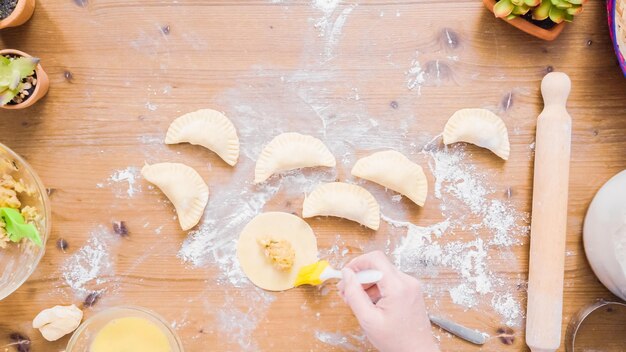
{"points": [[347, 342], [328, 6], [468, 208], [124, 182], [336, 253], [151, 139], [150, 43], [151, 106], [466, 196], [508, 307], [238, 323], [502, 221], [336, 31], [415, 75], [86, 270]]}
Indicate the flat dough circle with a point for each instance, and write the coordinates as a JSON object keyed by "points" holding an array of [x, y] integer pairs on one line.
{"points": [[280, 226]]}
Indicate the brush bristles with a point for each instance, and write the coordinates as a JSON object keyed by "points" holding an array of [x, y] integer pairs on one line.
{"points": [[310, 274]]}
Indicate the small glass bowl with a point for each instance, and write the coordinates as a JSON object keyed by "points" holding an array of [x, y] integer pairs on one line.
{"points": [[19, 260], [87, 331]]}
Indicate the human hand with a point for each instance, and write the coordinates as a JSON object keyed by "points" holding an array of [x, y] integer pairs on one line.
{"points": [[392, 312]]}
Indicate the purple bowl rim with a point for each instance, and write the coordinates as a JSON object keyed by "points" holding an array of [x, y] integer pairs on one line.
{"points": [[610, 9]]}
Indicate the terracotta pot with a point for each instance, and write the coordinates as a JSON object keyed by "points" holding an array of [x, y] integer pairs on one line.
{"points": [[20, 14], [40, 89], [528, 27]]}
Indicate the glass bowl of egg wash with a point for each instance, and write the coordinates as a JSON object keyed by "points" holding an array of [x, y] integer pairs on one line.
{"points": [[125, 329]]}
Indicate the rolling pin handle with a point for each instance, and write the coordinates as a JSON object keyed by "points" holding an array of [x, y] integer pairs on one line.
{"points": [[555, 88]]}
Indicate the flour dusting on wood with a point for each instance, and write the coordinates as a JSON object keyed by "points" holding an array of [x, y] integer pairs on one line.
{"points": [[237, 321], [475, 226], [91, 266], [123, 182], [347, 342], [415, 75]]}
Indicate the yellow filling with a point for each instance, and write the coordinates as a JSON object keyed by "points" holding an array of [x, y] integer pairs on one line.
{"points": [[8, 198], [4, 236], [9, 191], [130, 335], [278, 252]]}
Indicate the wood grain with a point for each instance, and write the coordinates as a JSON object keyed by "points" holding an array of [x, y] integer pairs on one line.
{"points": [[120, 60]]}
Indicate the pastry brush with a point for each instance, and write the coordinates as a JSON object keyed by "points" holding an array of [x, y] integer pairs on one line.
{"points": [[316, 273]]}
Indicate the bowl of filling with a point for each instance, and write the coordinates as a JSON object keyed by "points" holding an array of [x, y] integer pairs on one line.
{"points": [[24, 220], [125, 329]]}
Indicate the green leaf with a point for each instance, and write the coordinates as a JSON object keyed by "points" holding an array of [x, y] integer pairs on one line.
{"points": [[541, 12], [6, 96], [25, 66], [517, 2], [556, 15], [532, 3], [564, 4], [15, 80], [17, 228], [574, 10], [554, 2], [510, 17], [568, 17], [576, 2], [503, 8], [520, 10], [5, 76], [4, 60]]}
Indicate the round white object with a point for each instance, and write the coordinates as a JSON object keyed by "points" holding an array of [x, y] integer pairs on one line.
{"points": [[604, 234], [279, 226]]}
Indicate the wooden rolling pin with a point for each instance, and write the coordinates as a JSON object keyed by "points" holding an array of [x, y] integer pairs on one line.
{"points": [[549, 216]]}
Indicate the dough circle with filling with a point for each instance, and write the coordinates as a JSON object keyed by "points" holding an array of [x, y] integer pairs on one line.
{"points": [[280, 226]]}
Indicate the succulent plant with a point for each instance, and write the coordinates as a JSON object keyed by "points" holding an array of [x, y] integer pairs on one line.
{"points": [[557, 10], [13, 70]]}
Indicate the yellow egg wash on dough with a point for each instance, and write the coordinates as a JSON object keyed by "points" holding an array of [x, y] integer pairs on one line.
{"points": [[130, 335]]}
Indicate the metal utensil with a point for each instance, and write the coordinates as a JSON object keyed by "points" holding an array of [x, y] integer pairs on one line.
{"points": [[470, 335]]}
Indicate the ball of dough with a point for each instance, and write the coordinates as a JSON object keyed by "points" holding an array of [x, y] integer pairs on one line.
{"points": [[604, 234], [58, 321], [280, 226]]}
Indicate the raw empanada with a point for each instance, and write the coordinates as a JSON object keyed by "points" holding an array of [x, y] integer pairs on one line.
{"points": [[393, 170], [208, 128], [343, 200], [290, 151], [183, 186], [480, 127]]}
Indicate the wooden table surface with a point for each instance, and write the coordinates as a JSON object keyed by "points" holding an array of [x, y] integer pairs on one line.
{"points": [[121, 70]]}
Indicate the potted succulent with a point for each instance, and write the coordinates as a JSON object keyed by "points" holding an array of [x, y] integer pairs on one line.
{"points": [[22, 80], [544, 19], [15, 12]]}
